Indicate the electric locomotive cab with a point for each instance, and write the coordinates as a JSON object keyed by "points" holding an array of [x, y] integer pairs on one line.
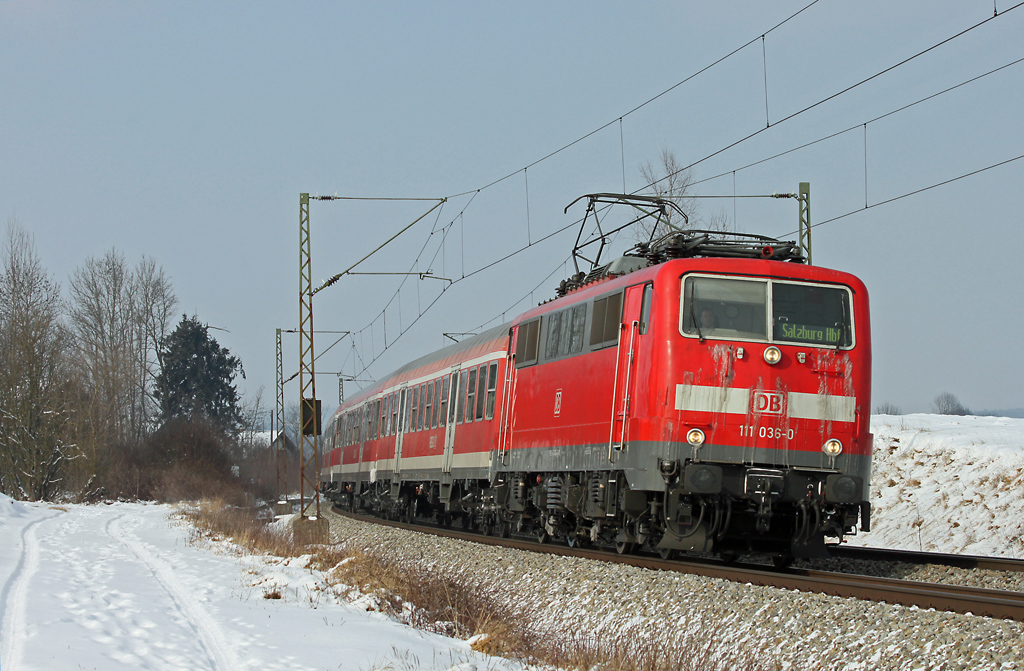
{"points": [[771, 391]]}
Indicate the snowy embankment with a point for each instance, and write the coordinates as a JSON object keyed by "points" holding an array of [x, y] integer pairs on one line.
{"points": [[945, 483], [121, 587]]}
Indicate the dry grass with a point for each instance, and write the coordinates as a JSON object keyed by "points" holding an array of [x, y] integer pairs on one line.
{"points": [[215, 518], [461, 608]]}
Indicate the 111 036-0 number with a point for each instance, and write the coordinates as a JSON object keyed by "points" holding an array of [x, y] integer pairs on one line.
{"points": [[749, 431]]}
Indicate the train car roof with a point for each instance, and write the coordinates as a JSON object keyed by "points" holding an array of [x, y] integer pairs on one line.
{"points": [[491, 340]]}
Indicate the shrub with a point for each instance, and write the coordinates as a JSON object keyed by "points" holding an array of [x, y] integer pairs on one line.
{"points": [[948, 404]]}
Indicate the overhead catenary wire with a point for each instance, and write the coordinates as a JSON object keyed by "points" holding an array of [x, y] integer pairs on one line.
{"points": [[830, 97], [913, 193], [532, 243], [646, 102]]}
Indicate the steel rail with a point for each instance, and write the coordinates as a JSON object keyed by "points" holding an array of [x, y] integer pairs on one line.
{"points": [[999, 604], [941, 559]]}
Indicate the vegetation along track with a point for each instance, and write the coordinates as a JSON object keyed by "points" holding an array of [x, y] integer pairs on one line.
{"points": [[993, 603]]}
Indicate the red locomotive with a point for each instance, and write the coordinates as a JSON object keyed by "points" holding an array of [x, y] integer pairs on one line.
{"points": [[705, 393]]}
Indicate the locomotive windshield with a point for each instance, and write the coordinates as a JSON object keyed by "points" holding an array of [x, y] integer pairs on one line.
{"points": [[768, 310]]}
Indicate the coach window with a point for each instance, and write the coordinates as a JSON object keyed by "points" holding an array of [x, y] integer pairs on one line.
{"points": [[403, 411], [423, 408], [392, 411], [462, 398], [437, 403], [443, 403], [492, 386], [527, 343], [414, 413], [470, 395], [481, 392], [427, 394], [645, 308]]}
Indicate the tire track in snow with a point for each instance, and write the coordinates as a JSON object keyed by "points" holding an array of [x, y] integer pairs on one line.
{"points": [[15, 599], [211, 636]]}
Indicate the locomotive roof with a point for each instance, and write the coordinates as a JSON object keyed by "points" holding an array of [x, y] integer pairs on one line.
{"points": [[727, 265]]}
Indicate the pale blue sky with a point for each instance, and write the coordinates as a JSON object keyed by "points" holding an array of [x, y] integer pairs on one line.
{"points": [[185, 131]]}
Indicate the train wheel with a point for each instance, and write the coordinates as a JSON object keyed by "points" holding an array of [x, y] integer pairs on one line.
{"points": [[485, 528], [667, 554], [782, 561], [624, 548], [505, 530], [542, 536], [729, 557]]}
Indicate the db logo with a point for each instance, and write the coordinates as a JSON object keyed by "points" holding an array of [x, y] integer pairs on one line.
{"points": [[767, 402], [558, 402]]}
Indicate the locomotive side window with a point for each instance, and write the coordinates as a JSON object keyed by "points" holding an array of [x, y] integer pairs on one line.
{"points": [[579, 324], [811, 314], [645, 308], [492, 386], [527, 344], [554, 322], [604, 326]]}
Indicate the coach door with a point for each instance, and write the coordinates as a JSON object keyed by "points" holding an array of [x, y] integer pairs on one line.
{"points": [[508, 399], [399, 433], [449, 429], [625, 370]]}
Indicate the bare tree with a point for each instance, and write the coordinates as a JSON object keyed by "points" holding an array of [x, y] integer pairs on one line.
{"points": [[888, 408], [948, 404], [666, 178], [154, 312], [119, 317], [35, 375]]}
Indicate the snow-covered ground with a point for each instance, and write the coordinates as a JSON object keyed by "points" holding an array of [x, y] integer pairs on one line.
{"points": [[944, 483], [120, 586]]}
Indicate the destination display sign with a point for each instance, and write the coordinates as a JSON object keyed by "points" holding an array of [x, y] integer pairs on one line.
{"points": [[828, 335]]}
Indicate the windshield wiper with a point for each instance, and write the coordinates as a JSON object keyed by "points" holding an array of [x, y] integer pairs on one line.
{"points": [[693, 315], [842, 322]]}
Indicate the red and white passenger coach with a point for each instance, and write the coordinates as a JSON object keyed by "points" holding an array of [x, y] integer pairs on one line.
{"points": [[703, 394]]}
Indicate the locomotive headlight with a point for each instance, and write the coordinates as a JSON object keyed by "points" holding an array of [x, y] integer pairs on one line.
{"points": [[832, 447], [695, 437], [772, 355]]}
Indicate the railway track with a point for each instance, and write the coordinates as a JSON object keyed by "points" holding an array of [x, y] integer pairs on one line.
{"points": [[941, 559], [999, 604]]}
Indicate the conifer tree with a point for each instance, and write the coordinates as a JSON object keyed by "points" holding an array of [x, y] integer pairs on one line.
{"points": [[196, 380]]}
